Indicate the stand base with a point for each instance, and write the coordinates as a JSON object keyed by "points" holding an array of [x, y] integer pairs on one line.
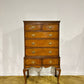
{"points": [[57, 74]]}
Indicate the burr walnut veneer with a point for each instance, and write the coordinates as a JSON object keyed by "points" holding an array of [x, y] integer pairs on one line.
{"points": [[41, 46]]}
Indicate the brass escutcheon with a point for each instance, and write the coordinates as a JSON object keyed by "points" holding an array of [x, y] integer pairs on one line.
{"points": [[33, 62], [33, 43], [50, 52], [33, 27], [50, 43], [33, 34], [33, 52], [50, 27], [50, 61], [50, 34]]}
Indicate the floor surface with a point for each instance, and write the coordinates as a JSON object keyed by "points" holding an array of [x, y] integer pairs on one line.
{"points": [[42, 80]]}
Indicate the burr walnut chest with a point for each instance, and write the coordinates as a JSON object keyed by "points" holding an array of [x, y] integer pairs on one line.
{"points": [[41, 40]]}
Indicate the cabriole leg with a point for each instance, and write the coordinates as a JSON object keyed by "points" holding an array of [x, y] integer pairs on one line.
{"points": [[25, 77], [57, 74], [59, 71], [27, 73]]}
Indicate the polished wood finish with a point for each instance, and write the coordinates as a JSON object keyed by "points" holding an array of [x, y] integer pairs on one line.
{"points": [[32, 62], [41, 52], [38, 66], [50, 27], [41, 42], [42, 35], [32, 27], [50, 61]]}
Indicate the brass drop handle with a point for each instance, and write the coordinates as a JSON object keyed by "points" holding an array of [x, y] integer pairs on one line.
{"points": [[33, 34], [33, 43], [50, 43], [50, 61], [33, 62], [50, 52], [33, 27], [50, 34], [50, 27], [33, 52]]}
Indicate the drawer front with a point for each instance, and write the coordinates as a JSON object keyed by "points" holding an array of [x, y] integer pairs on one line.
{"points": [[42, 43], [32, 62], [50, 61], [51, 27], [32, 27], [42, 35], [42, 52], [57, 66]]}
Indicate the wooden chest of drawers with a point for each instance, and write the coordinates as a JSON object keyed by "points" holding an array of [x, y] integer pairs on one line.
{"points": [[41, 45]]}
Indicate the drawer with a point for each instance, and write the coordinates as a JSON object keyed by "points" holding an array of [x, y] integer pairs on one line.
{"points": [[42, 52], [42, 35], [32, 62], [42, 43], [32, 27], [50, 27], [50, 61]]}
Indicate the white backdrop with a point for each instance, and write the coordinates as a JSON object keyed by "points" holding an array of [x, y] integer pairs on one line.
{"points": [[71, 15]]}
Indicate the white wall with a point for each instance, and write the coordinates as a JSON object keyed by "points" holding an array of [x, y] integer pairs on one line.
{"points": [[71, 15], [1, 52]]}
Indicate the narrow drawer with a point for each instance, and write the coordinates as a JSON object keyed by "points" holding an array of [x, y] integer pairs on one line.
{"points": [[32, 27], [32, 62], [50, 61], [42, 43], [42, 52], [50, 27], [42, 35]]}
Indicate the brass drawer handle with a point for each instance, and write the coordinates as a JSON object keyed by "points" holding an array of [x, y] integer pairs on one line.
{"points": [[33, 34], [33, 43], [50, 61], [50, 27], [33, 52], [50, 52], [50, 43], [50, 34], [33, 27], [33, 62]]}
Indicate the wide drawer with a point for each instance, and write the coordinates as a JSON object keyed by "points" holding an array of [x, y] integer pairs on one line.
{"points": [[32, 61], [32, 27], [50, 27], [51, 61], [42, 52], [41, 43], [42, 35]]}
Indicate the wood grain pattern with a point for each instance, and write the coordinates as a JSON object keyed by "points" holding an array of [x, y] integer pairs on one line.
{"points": [[42, 52], [29, 66], [41, 43], [41, 22], [53, 27], [41, 35], [50, 61], [32, 61], [32, 27], [38, 66], [46, 66]]}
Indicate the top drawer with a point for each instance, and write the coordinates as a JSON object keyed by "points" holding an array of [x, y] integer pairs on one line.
{"points": [[32, 27], [50, 27]]}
